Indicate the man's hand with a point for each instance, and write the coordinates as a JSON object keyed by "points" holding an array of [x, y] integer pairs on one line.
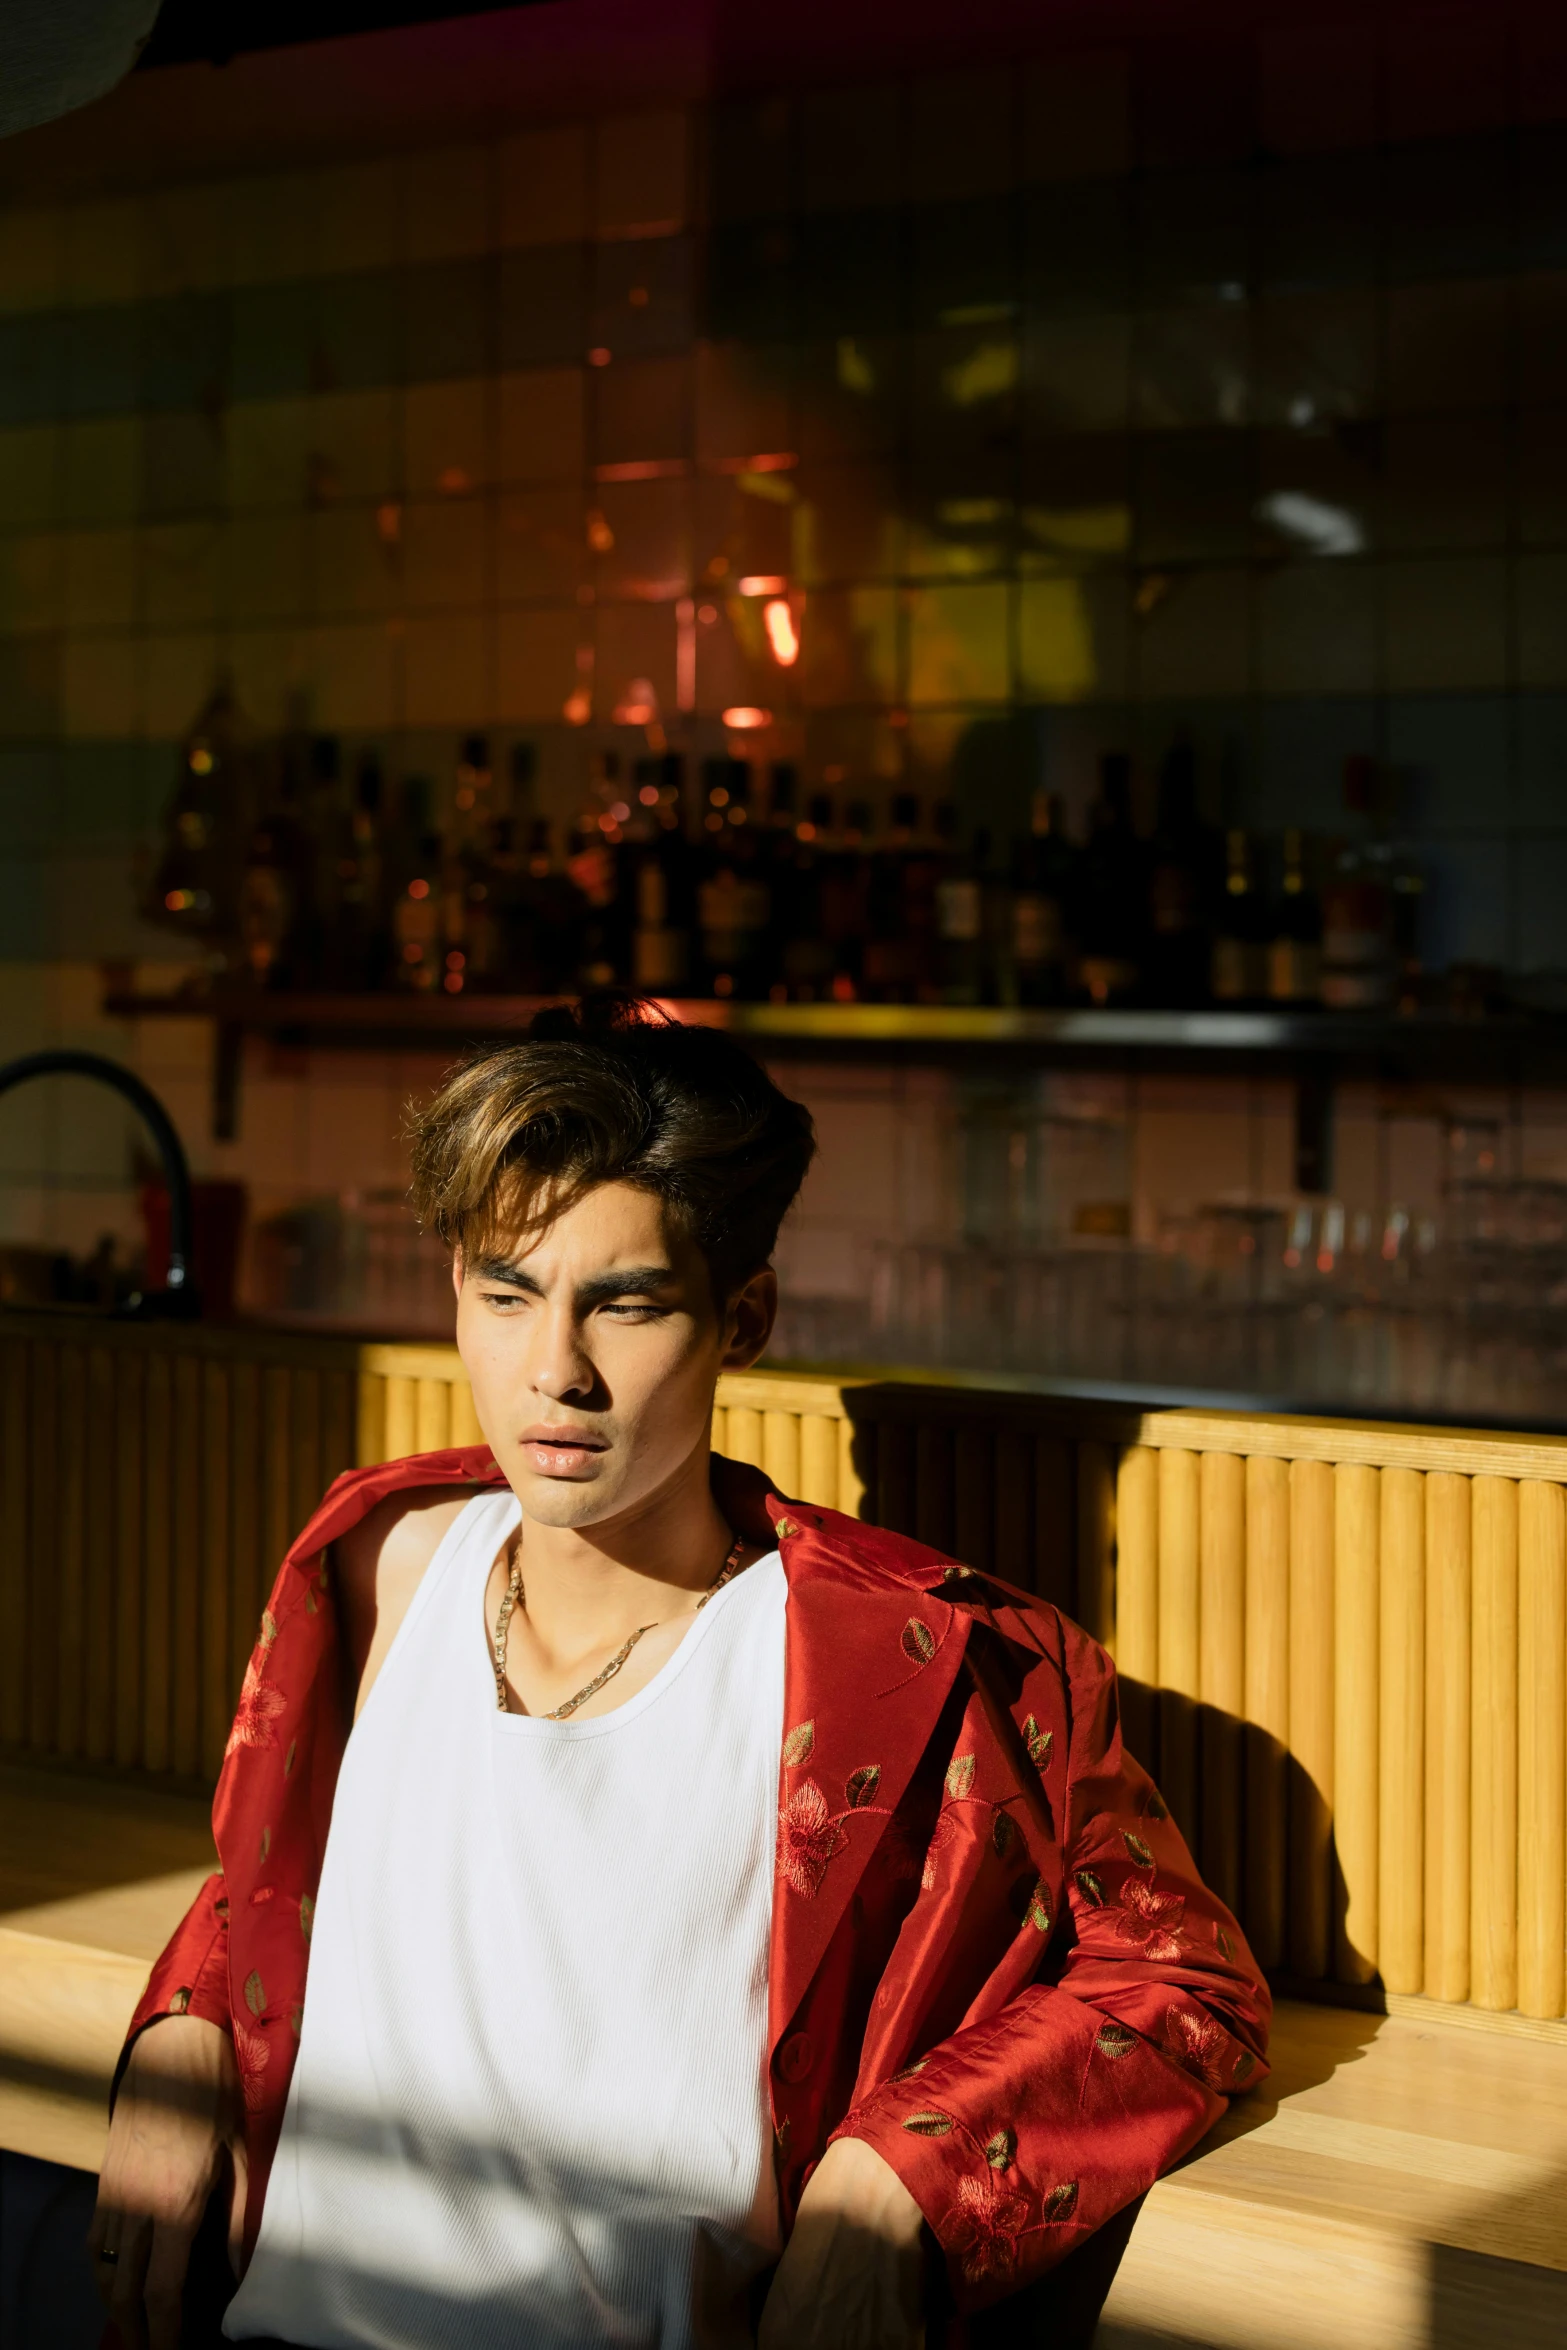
{"points": [[852, 2273], [178, 2125]]}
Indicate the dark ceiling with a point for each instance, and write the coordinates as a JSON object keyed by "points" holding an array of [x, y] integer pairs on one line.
{"points": [[212, 31]]}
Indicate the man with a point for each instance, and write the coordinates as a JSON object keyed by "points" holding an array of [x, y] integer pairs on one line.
{"points": [[720, 1905]]}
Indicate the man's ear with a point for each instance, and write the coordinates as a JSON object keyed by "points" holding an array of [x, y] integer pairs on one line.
{"points": [[748, 1324], [457, 1272]]}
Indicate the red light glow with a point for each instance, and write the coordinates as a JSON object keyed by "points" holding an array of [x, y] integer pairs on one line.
{"points": [[763, 583], [743, 720], [782, 634]]}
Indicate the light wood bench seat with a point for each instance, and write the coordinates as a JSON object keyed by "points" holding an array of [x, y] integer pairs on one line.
{"points": [[1399, 2181]]}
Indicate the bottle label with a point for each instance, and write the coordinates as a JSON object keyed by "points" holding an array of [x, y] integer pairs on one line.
{"points": [[1036, 929]]}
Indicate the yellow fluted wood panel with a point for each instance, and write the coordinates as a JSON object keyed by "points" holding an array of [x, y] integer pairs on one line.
{"points": [[973, 1495], [1401, 1833], [745, 1435], [1137, 1598], [1265, 1846], [1222, 1668], [216, 1588], [856, 1465], [43, 1680], [400, 1419], [781, 1453], [934, 1520], [1050, 1553], [158, 1634], [896, 1443], [432, 1415], [465, 1427], [1493, 1865], [1357, 1517], [1542, 1746], [247, 1593], [370, 1424], [1179, 1637], [16, 1585], [105, 1371], [1309, 1929], [306, 1479], [129, 1559], [819, 1460], [1013, 1514], [185, 1629], [1096, 1543], [277, 1482], [1449, 1509], [337, 1424], [71, 1600]]}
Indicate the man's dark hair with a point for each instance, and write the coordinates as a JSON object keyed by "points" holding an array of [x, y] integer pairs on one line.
{"points": [[613, 1091]]}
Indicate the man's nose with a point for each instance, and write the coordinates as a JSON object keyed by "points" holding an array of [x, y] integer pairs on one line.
{"points": [[561, 1365]]}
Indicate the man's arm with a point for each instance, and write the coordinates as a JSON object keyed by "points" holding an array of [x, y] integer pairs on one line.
{"points": [[1020, 2135]]}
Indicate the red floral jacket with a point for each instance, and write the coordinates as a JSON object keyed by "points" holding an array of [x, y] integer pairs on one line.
{"points": [[992, 1957]]}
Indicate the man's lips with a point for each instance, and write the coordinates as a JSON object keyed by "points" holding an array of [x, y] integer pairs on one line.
{"points": [[557, 1450], [555, 1437]]}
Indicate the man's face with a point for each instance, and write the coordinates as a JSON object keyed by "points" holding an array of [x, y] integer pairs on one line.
{"points": [[593, 1346]]}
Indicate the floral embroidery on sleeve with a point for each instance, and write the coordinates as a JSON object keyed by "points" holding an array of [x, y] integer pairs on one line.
{"points": [[809, 1834], [1151, 1920], [260, 1705], [984, 2235], [1197, 2043], [253, 2055]]}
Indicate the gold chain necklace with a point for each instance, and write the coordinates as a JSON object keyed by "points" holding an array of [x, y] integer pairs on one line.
{"points": [[513, 1593]]}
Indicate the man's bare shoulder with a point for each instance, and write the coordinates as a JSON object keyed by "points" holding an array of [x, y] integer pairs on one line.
{"points": [[398, 1536]]}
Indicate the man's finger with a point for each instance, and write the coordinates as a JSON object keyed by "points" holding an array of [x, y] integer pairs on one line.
{"points": [[122, 2281], [164, 2289]]}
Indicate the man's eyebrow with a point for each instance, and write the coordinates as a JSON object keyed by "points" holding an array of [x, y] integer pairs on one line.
{"points": [[509, 1275], [625, 1281]]}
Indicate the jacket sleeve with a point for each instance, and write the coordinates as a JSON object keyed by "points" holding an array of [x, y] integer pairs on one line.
{"points": [[1025, 2131], [191, 1977]]}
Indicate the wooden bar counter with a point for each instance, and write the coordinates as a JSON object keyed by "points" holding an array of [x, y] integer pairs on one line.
{"points": [[1344, 1651]]}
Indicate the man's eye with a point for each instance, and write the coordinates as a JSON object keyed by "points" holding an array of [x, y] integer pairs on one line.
{"points": [[637, 1311], [502, 1297]]}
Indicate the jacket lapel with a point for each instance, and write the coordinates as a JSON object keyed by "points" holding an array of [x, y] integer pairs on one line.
{"points": [[869, 1663]]}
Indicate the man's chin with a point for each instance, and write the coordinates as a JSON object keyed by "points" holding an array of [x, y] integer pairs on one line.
{"points": [[562, 1501]]}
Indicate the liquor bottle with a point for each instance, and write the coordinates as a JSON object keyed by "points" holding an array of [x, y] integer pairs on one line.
{"points": [[662, 881], [346, 830], [733, 902], [1295, 955], [1112, 923], [194, 887], [275, 900], [472, 797], [889, 965], [800, 954], [538, 919], [1039, 931], [1241, 938], [1358, 970], [965, 976], [415, 894], [1184, 874]]}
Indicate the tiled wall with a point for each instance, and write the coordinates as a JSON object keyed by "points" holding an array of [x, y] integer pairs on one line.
{"points": [[1077, 398]]}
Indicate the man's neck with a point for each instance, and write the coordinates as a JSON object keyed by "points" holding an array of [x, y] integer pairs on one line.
{"points": [[632, 1568]]}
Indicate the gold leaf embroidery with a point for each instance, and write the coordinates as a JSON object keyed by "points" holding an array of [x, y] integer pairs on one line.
{"points": [[255, 1994], [323, 1582], [928, 2125], [296, 2020], [1245, 2066], [960, 1776], [1140, 1852], [180, 2003], [266, 1842], [307, 1914], [1002, 1830], [917, 1641], [1158, 1809], [1040, 1743], [1039, 1909], [798, 1744], [268, 1627], [1000, 2149], [1061, 2201], [1115, 2040], [862, 1784], [311, 1608], [288, 1759], [956, 1574], [1226, 1946], [1088, 1884], [909, 2070], [786, 1529]]}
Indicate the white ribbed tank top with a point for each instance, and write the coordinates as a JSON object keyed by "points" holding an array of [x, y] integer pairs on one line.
{"points": [[530, 2106]]}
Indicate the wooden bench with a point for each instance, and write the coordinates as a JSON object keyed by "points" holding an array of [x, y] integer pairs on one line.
{"points": [[1401, 2180]]}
